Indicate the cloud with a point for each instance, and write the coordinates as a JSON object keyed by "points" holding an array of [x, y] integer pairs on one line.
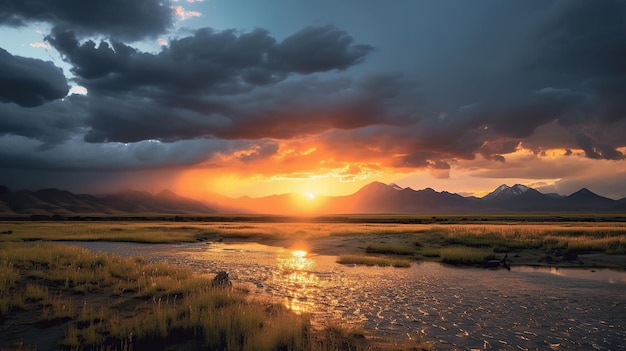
{"points": [[224, 62], [41, 45], [317, 49], [559, 83], [225, 84], [260, 152], [184, 14], [74, 155], [577, 70], [48, 124], [130, 20], [30, 82], [563, 72]]}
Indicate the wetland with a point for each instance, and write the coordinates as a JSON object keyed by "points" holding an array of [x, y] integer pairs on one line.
{"points": [[561, 287]]}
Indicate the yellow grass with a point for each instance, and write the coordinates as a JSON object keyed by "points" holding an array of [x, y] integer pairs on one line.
{"points": [[114, 303]]}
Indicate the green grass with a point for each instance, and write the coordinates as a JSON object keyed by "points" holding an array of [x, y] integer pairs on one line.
{"points": [[373, 261], [114, 303]]}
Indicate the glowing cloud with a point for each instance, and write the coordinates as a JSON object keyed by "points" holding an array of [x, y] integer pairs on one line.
{"points": [[41, 45], [184, 14]]}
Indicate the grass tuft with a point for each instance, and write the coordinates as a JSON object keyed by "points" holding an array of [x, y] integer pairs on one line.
{"points": [[465, 256], [373, 261], [390, 249]]}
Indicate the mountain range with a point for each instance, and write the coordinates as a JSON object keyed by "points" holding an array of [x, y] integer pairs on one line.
{"points": [[48, 202], [373, 198]]}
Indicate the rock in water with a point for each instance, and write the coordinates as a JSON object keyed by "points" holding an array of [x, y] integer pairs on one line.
{"points": [[221, 280]]}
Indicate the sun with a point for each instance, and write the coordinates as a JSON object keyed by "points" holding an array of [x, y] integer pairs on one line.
{"points": [[299, 253], [311, 196]]}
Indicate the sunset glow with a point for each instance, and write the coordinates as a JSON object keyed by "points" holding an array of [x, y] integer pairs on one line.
{"points": [[241, 106]]}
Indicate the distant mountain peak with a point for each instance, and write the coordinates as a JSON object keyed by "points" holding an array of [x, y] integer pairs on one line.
{"points": [[584, 192], [500, 189], [395, 186], [375, 186], [505, 191], [520, 187]]}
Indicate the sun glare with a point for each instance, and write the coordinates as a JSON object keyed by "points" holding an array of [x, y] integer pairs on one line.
{"points": [[299, 253], [311, 196]]}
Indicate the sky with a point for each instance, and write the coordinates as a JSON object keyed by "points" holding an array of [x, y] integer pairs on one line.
{"points": [[250, 97]]}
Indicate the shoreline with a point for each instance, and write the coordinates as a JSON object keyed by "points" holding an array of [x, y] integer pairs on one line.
{"points": [[357, 244], [569, 244]]}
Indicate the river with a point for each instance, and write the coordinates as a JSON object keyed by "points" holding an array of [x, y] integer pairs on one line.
{"points": [[525, 308]]}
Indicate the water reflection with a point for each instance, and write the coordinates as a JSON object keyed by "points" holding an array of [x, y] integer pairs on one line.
{"points": [[525, 308], [597, 274], [294, 273]]}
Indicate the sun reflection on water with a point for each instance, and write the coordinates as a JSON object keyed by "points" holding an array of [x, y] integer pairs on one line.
{"points": [[295, 272], [299, 253]]}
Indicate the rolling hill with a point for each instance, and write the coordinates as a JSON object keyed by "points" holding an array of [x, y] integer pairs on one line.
{"points": [[47, 202]]}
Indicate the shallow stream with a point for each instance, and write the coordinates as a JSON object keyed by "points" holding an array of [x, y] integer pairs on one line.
{"points": [[457, 308]]}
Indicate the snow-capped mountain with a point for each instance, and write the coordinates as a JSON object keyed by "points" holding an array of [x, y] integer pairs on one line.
{"points": [[504, 191]]}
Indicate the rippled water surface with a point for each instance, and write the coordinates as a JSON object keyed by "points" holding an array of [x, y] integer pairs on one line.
{"points": [[459, 308]]}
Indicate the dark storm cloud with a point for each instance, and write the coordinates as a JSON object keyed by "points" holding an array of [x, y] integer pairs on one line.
{"points": [[75, 155], [117, 18], [568, 67], [213, 62], [226, 84], [285, 110], [30, 82], [559, 84], [316, 49], [576, 59], [50, 124]]}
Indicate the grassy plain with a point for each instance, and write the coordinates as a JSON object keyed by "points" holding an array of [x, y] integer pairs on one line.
{"points": [[563, 242], [54, 296], [80, 300]]}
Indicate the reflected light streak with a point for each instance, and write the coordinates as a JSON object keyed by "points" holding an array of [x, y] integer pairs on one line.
{"points": [[294, 272], [299, 253]]}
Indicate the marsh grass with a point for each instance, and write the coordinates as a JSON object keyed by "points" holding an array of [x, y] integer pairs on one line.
{"points": [[389, 239], [390, 249], [373, 261], [605, 237], [114, 303], [431, 252], [465, 255]]}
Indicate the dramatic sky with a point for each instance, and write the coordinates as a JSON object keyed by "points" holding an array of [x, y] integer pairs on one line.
{"points": [[250, 97]]}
